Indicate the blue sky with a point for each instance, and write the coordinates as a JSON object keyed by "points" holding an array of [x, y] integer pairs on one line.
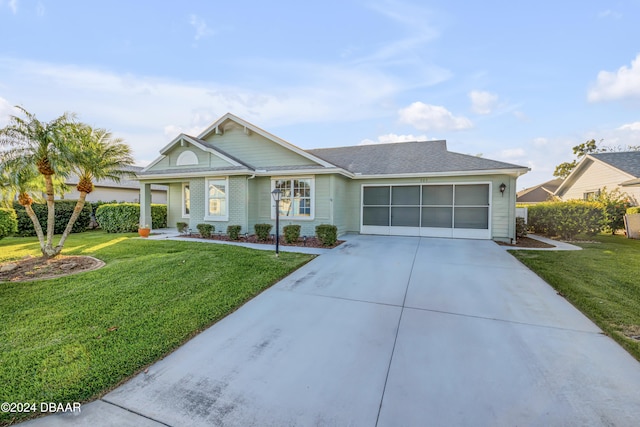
{"points": [[521, 82]]}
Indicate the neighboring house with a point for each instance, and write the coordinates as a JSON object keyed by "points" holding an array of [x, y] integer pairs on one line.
{"points": [[540, 193], [596, 171], [225, 176], [107, 190]]}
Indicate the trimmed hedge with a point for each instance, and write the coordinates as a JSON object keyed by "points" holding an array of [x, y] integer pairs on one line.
{"points": [[125, 217], [291, 233], [233, 231], [327, 234], [63, 209], [182, 226], [566, 219], [633, 210], [8, 222], [262, 231], [205, 230], [158, 216]]}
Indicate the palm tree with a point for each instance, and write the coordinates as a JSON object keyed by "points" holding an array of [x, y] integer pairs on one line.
{"points": [[96, 155], [44, 145]]}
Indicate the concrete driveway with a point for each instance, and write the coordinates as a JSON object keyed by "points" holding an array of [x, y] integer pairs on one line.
{"points": [[389, 331]]}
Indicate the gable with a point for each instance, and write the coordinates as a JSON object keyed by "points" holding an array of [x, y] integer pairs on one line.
{"points": [[185, 154], [590, 176], [255, 149]]}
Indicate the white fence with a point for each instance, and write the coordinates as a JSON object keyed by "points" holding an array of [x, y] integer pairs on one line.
{"points": [[523, 213]]}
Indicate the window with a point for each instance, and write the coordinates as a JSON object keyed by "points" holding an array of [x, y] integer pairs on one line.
{"points": [[216, 200], [187, 158], [186, 200], [297, 197]]}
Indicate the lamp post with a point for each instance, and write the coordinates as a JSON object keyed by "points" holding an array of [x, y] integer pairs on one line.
{"points": [[277, 195]]}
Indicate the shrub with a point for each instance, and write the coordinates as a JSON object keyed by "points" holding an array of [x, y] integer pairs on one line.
{"points": [[262, 231], [125, 217], [8, 222], [64, 210], [521, 228], [614, 205], [205, 230], [118, 217], [327, 234], [182, 226], [233, 231], [291, 233], [566, 219], [633, 210], [158, 215]]}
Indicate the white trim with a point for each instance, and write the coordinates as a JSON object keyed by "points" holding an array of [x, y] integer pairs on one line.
{"points": [[152, 164], [207, 173], [452, 232], [184, 214], [312, 194], [207, 182]]}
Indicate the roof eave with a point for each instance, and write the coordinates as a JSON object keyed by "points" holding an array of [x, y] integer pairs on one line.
{"points": [[516, 172]]}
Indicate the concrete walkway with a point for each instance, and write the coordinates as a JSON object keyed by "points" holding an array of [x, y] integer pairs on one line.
{"points": [[389, 331]]}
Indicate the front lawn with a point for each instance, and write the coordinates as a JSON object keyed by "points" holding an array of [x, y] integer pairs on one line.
{"points": [[73, 338], [602, 281]]}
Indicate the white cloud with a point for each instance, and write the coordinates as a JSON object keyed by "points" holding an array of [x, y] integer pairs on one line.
{"points": [[483, 102], [609, 14], [393, 138], [201, 27], [625, 83], [432, 117], [6, 110], [635, 126], [147, 110], [13, 5], [540, 142]]}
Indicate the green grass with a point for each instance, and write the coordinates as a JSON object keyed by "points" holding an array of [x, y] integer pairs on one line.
{"points": [[73, 338], [602, 281]]}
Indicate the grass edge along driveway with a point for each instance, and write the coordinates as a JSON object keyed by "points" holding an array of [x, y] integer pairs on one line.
{"points": [[601, 281], [72, 339]]}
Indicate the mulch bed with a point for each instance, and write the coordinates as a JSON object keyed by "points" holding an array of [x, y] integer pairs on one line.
{"points": [[36, 268], [527, 242], [310, 242]]}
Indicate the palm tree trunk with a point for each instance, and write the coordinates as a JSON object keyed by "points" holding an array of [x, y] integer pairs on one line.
{"points": [[49, 251], [72, 220], [36, 225]]}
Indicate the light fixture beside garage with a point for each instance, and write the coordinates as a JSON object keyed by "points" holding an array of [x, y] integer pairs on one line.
{"points": [[503, 187]]}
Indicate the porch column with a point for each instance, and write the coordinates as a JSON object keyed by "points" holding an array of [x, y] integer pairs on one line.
{"points": [[145, 204]]}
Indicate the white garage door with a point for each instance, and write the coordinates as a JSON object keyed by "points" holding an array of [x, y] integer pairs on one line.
{"points": [[431, 210]]}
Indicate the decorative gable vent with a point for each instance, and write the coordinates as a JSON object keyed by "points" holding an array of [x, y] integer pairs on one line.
{"points": [[187, 158]]}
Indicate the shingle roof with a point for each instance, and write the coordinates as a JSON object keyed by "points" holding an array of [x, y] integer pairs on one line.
{"points": [[406, 158], [626, 161]]}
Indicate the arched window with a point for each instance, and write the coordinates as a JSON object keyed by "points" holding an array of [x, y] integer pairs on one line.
{"points": [[187, 158]]}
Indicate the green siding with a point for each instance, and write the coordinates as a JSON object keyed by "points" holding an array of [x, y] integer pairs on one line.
{"points": [[205, 159], [260, 203], [255, 149]]}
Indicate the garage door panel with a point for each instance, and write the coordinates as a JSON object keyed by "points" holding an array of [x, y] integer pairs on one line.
{"points": [[439, 217], [375, 215], [476, 218], [405, 216]]}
